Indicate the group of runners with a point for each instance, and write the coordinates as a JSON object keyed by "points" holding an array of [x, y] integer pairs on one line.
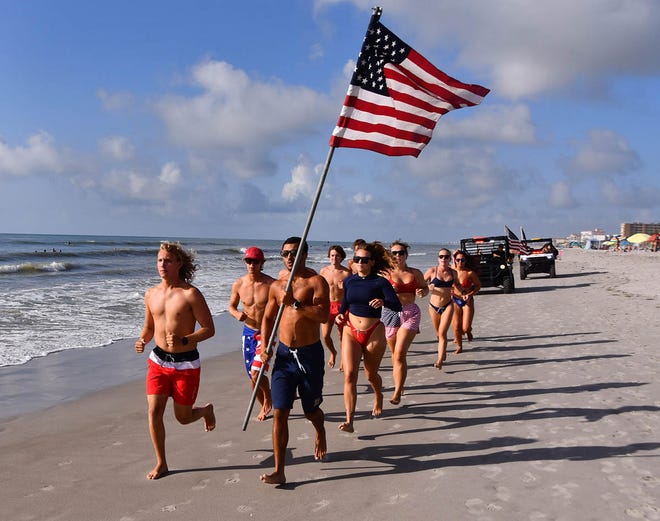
{"points": [[372, 300]]}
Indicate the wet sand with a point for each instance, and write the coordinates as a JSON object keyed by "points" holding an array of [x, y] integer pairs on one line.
{"points": [[552, 412]]}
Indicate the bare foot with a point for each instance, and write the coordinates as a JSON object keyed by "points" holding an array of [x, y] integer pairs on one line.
{"points": [[346, 427], [438, 364], [333, 356], [469, 335], [265, 409], [396, 399], [320, 447], [378, 406], [459, 350], [273, 479], [158, 472], [209, 417]]}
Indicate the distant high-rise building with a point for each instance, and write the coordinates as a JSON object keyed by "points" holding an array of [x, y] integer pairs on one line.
{"points": [[628, 229]]}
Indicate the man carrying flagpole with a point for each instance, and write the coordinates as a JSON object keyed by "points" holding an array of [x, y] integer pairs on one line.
{"points": [[299, 365]]}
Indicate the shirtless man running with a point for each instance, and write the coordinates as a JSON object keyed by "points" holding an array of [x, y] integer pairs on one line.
{"points": [[299, 365], [251, 291], [172, 308], [334, 274]]}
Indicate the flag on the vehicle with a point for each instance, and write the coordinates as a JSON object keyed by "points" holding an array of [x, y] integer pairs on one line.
{"points": [[515, 244], [396, 97], [523, 239]]}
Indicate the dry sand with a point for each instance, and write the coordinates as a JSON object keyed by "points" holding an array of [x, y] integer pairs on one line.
{"points": [[551, 413]]}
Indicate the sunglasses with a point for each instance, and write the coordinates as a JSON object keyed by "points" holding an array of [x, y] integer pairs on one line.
{"points": [[252, 261], [460, 259], [398, 252], [288, 253], [361, 260], [444, 256]]}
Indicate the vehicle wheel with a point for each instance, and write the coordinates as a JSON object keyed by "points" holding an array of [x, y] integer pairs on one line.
{"points": [[553, 274], [523, 275], [508, 284]]}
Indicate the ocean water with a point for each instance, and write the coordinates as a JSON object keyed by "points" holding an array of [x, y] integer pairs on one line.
{"points": [[74, 292]]}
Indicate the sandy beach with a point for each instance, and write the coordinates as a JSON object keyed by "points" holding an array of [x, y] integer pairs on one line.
{"points": [[551, 413]]}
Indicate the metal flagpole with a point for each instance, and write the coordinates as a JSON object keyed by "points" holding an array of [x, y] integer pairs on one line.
{"points": [[376, 14], [289, 283]]}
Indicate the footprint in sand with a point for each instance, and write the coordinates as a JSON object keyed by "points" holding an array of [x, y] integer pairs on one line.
{"points": [[64, 463], [47, 488], [303, 436], [168, 508], [244, 509], [201, 485], [528, 477], [392, 500], [490, 472], [321, 505], [503, 493], [475, 505], [232, 480], [565, 490], [437, 473], [224, 445], [550, 467]]}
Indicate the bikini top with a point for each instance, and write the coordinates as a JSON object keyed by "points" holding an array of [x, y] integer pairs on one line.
{"points": [[467, 283], [439, 283], [404, 287]]}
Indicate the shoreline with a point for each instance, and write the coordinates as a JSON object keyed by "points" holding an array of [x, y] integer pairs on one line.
{"points": [[550, 413], [71, 374]]}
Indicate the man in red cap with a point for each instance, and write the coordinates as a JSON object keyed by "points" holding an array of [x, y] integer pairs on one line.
{"points": [[251, 290]]}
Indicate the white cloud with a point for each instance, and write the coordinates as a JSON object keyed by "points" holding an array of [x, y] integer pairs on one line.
{"points": [[112, 101], [240, 118], [316, 52], [170, 173], [304, 180], [529, 48], [362, 198], [560, 195], [38, 156], [603, 152], [494, 123], [116, 147]]}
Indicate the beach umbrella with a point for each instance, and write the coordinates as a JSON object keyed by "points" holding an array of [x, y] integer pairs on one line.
{"points": [[653, 237], [638, 238]]}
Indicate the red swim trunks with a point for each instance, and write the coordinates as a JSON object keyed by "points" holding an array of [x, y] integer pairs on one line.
{"points": [[334, 310], [174, 374]]}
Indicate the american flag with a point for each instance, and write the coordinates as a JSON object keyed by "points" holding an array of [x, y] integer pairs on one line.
{"points": [[515, 244], [396, 96]]}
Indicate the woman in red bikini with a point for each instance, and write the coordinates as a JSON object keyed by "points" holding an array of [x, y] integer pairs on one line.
{"points": [[365, 293], [464, 301], [409, 284], [442, 281]]}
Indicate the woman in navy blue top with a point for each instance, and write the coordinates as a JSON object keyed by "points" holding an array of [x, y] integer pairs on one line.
{"points": [[365, 293]]}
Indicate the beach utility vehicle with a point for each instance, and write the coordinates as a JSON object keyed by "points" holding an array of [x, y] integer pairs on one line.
{"points": [[492, 261], [540, 259]]}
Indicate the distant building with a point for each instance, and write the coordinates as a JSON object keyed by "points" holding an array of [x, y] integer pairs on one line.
{"points": [[628, 229]]}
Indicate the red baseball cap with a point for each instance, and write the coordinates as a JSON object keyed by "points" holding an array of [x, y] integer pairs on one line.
{"points": [[254, 253]]}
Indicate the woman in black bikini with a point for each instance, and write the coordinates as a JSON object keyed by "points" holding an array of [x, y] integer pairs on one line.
{"points": [[365, 293], [442, 281], [464, 301]]}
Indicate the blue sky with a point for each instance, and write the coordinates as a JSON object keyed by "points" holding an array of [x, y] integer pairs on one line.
{"points": [[212, 119]]}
